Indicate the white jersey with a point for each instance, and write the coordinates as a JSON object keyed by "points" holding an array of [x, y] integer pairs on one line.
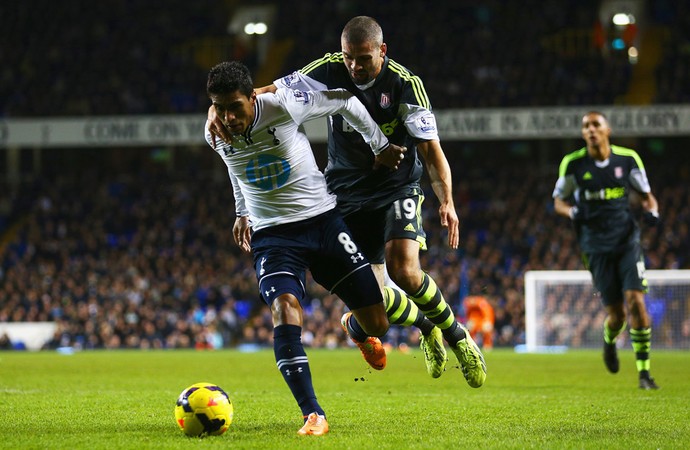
{"points": [[272, 168]]}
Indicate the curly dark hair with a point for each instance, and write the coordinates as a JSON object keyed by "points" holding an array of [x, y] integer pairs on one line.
{"points": [[228, 77]]}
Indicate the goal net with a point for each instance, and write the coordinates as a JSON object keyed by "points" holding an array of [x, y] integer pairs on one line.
{"points": [[563, 310]]}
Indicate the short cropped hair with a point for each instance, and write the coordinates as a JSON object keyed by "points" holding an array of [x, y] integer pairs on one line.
{"points": [[598, 113], [362, 29], [228, 77]]}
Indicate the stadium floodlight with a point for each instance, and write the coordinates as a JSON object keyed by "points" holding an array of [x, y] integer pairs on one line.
{"points": [[623, 19], [255, 28]]}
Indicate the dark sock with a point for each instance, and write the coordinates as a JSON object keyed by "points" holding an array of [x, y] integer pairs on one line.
{"points": [[355, 330], [293, 365]]}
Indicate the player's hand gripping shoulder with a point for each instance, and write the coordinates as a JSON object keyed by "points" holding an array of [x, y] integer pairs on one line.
{"points": [[390, 157], [217, 128]]}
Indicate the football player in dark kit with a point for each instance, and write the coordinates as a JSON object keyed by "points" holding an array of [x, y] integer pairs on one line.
{"points": [[593, 189]]}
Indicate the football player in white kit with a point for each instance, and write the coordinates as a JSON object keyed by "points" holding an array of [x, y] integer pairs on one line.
{"points": [[288, 219]]}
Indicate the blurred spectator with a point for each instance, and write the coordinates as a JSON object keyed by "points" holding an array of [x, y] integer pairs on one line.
{"points": [[5, 342]]}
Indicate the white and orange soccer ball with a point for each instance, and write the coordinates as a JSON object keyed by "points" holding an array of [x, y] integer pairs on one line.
{"points": [[203, 409]]}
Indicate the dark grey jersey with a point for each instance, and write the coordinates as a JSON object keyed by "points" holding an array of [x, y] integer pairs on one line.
{"points": [[600, 189], [397, 101]]}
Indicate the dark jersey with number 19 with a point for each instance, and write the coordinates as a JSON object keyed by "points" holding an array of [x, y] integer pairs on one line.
{"points": [[397, 101]]}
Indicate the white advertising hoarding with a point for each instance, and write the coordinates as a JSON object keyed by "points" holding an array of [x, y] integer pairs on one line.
{"points": [[453, 125]]}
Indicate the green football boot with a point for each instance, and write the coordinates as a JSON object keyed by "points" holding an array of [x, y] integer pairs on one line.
{"points": [[435, 355], [471, 360]]}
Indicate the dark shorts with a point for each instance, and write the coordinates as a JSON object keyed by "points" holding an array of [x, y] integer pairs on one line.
{"points": [[616, 272], [402, 219], [322, 244]]}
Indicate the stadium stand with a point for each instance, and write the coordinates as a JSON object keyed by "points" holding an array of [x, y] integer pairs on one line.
{"points": [[143, 258], [146, 260], [92, 58]]}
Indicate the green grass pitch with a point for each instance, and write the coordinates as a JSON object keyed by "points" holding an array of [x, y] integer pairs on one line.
{"points": [[125, 400]]}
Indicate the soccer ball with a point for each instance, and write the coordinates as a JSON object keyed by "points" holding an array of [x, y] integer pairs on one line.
{"points": [[203, 409]]}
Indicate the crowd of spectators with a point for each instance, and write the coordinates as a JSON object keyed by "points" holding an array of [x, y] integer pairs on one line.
{"points": [[479, 54], [674, 67], [138, 260], [133, 57], [107, 57], [146, 259]]}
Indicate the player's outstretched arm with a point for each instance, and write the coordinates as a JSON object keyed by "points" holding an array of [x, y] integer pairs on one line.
{"points": [[442, 184], [316, 104]]}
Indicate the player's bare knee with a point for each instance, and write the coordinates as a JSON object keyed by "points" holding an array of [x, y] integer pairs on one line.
{"points": [[286, 309], [408, 278], [635, 303], [617, 314]]}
